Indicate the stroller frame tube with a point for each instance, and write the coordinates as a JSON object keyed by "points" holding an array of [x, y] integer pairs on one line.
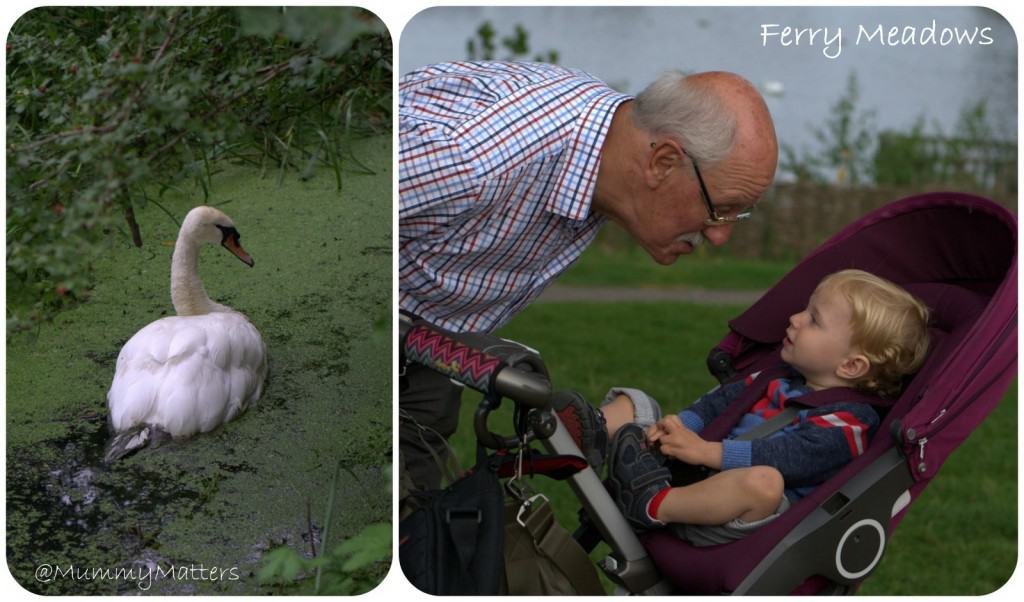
{"points": [[629, 565]]}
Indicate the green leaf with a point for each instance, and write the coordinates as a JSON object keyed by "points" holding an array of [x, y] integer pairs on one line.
{"points": [[371, 545], [281, 565]]}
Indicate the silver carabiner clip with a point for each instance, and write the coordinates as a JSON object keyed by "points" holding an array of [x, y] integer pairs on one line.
{"points": [[515, 486], [526, 508]]}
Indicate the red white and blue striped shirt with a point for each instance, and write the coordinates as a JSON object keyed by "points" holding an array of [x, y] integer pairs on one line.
{"points": [[808, 451], [497, 168]]}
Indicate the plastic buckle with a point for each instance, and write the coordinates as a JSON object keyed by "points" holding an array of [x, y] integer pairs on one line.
{"points": [[462, 513]]}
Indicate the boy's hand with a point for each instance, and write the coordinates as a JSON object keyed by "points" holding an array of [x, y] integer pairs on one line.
{"points": [[677, 441]]}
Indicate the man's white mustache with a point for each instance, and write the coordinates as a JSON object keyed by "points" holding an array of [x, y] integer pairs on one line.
{"points": [[695, 239]]}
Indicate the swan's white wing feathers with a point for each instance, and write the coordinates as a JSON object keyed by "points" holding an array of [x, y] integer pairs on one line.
{"points": [[188, 374], [188, 338]]}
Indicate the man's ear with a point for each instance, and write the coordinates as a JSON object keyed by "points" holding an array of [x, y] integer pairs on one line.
{"points": [[665, 156], [854, 367]]}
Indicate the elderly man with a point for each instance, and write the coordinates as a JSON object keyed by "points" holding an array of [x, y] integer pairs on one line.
{"points": [[508, 170]]}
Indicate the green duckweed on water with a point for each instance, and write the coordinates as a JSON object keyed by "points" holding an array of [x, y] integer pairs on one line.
{"points": [[219, 502]]}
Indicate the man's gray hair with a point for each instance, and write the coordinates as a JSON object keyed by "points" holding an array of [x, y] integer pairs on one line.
{"points": [[672, 106]]}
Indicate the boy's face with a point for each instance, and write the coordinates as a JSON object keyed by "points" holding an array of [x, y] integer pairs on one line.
{"points": [[818, 339]]}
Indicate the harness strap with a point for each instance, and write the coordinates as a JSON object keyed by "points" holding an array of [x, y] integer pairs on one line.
{"points": [[721, 426], [775, 423]]}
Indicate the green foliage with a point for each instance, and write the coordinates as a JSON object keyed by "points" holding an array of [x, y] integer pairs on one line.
{"points": [[847, 141], [970, 157], [282, 565], [517, 46], [353, 567], [107, 108], [905, 159]]}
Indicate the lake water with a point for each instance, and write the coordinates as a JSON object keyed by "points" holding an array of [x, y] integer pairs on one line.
{"points": [[914, 76]]}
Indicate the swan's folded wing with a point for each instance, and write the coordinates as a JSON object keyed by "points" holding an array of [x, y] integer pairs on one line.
{"points": [[189, 338], [188, 374], [133, 393], [248, 362]]}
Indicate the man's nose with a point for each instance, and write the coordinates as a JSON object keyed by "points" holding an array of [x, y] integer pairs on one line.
{"points": [[717, 235]]}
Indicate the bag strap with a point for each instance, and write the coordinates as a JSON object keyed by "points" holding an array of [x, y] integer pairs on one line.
{"points": [[450, 469], [554, 542], [464, 524], [464, 527]]}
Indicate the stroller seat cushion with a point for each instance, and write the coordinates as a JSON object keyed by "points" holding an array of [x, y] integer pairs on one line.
{"points": [[713, 535], [951, 306], [953, 311]]}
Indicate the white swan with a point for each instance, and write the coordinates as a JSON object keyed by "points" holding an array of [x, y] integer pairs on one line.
{"points": [[190, 373]]}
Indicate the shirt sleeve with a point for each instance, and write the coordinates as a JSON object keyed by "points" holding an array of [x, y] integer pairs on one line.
{"points": [[435, 171], [435, 178]]}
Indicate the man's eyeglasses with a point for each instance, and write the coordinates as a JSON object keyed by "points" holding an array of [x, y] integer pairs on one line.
{"points": [[713, 218]]}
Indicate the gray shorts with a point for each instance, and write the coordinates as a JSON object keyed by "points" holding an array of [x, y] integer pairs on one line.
{"points": [[713, 535]]}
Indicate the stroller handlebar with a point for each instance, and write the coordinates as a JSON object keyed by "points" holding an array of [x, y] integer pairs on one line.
{"points": [[487, 363]]}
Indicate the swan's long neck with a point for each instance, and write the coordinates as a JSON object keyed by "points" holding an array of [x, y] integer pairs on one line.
{"points": [[187, 292]]}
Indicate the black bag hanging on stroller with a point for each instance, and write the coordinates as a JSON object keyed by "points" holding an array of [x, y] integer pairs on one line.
{"points": [[465, 539], [452, 544]]}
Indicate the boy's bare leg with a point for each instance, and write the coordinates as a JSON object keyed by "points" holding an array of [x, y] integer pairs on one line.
{"points": [[746, 493], [618, 413]]}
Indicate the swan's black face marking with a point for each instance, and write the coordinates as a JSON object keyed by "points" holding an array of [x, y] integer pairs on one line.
{"points": [[229, 240]]}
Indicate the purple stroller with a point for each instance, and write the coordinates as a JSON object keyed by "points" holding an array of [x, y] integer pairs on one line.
{"points": [[954, 251], [957, 253]]}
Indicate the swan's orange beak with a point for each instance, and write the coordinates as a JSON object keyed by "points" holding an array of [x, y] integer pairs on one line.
{"points": [[231, 244]]}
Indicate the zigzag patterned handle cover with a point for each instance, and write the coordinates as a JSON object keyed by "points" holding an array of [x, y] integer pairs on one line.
{"points": [[438, 351]]}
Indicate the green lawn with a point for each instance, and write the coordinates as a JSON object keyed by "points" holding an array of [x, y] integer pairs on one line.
{"points": [[958, 538], [320, 294], [626, 264]]}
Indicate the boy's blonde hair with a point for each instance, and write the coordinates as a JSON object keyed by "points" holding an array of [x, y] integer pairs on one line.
{"points": [[888, 325]]}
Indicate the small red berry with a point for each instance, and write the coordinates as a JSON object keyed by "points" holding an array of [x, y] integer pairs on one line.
{"points": [[136, 60], [62, 291], [74, 69], [57, 208], [42, 89]]}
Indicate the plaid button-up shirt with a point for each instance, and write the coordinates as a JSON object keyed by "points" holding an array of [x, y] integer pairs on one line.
{"points": [[497, 168]]}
